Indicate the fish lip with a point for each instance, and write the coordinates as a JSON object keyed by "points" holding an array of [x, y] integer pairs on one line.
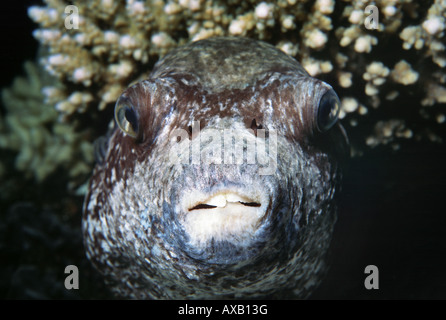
{"points": [[217, 196], [234, 214], [224, 197]]}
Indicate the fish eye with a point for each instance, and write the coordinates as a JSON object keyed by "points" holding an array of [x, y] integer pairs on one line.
{"points": [[127, 118], [328, 110]]}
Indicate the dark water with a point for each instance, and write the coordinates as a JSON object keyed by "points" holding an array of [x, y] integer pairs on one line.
{"points": [[18, 43], [392, 215]]}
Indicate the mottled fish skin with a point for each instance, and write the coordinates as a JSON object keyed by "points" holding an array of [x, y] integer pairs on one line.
{"points": [[137, 231]]}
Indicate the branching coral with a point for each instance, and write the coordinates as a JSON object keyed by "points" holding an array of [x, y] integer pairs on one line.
{"points": [[117, 42], [31, 128]]}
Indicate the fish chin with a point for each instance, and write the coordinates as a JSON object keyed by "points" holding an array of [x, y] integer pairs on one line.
{"points": [[227, 223]]}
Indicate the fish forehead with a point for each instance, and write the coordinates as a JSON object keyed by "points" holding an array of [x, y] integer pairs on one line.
{"points": [[226, 63]]}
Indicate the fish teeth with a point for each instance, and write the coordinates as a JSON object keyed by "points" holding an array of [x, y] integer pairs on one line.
{"points": [[221, 200], [218, 201]]}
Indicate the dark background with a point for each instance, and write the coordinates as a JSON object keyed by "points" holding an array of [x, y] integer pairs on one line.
{"points": [[392, 215]]}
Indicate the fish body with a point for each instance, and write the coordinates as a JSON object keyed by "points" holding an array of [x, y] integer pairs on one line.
{"points": [[221, 177]]}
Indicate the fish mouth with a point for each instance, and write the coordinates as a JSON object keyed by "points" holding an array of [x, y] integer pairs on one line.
{"points": [[225, 215], [225, 199]]}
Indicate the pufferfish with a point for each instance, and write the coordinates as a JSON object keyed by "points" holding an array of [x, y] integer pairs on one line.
{"points": [[220, 178]]}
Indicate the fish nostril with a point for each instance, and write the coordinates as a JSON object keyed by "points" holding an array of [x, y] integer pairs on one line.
{"points": [[255, 126]]}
